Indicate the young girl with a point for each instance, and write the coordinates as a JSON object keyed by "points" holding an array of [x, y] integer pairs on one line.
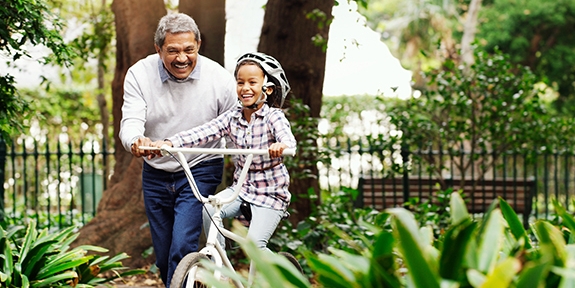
{"points": [[258, 123]]}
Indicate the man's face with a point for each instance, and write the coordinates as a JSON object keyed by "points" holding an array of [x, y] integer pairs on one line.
{"points": [[179, 53]]}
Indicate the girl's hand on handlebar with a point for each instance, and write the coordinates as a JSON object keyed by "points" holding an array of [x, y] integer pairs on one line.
{"points": [[276, 149]]}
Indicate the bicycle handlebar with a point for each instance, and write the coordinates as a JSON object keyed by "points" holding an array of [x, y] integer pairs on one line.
{"points": [[182, 160], [224, 151]]}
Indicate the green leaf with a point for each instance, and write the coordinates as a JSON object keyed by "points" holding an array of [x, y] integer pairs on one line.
{"points": [[382, 269], [32, 263], [48, 282], [532, 273], [503, 273], [455, 247], [458, 209], [414, 255], [53, 268], [7, 260], [490, 242], [29, 237], [514, 223], [551, 242], [329, 268], [475, 277], [567, 218]]}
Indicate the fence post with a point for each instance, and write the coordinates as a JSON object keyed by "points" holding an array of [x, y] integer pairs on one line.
{"points": [[2, 176], [404, 160]]}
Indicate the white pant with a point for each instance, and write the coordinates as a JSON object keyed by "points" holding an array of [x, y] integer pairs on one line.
{"points": [[262, 225]]}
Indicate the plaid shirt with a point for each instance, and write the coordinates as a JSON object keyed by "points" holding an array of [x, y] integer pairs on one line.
{"points": [[268, 179]]}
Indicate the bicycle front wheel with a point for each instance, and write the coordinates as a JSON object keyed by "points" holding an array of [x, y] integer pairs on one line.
{"points": [[188, 269]]}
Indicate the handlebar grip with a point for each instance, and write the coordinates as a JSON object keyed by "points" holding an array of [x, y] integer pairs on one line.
{"points": [[289, 152]]}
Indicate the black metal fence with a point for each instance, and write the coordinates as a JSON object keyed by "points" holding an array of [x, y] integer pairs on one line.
{"points": [[57, 183], [60, 184], [552, 171]]}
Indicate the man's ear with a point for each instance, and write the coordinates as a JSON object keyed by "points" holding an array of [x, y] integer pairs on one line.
{"points": [[157, 48]]}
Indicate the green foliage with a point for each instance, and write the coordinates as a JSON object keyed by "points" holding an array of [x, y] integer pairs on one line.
{"points": [[43, 259], [537, 34], [24, 22], [11, 107], [61, 110], [494, 106], [433, 213], [333, 224], [304, 128], [492, 251], [272, 269]]}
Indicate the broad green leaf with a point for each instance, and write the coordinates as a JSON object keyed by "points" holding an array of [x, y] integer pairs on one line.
{"points": [[475, 277], [414, 255], [455, 247], [267, 265], [503, 273], [382, 270], [458, 209], [514, 223], [408, 222], [551, 242], [338, 267], [355, 263], [533, 274], [567, 218], [491, 241], [4, 278], [326, 273], [207, 275]]}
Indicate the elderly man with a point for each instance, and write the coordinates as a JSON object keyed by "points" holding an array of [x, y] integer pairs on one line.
{"points": [[172, 90]]}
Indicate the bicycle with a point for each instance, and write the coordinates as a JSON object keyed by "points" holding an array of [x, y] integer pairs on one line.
{"points": [[187, 272]]}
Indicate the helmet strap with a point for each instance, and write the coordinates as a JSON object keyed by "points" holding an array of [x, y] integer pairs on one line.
{"points": [[262, 98]]}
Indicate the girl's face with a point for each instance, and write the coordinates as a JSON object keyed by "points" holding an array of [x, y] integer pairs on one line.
{"points": [[250, 80]]}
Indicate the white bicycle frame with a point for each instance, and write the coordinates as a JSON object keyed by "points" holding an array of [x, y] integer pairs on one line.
{"points": [[213, 247]]}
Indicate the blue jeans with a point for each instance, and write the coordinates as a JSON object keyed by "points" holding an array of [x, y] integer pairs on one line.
{"points": [[174, 213]]}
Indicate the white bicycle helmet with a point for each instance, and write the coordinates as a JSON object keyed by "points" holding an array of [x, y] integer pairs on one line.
{"points": [[273, 70]]}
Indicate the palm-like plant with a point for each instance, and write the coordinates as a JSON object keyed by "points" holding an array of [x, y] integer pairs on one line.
{"points": [[43, 259]]}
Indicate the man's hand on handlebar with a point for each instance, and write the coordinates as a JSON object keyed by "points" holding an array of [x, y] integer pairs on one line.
{"points": [[136, 151], [159, 144], [145, 141], [276, 149]]}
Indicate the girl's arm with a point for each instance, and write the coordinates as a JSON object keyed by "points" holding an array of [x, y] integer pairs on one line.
{"points": [[282, 133], [213, 130]]}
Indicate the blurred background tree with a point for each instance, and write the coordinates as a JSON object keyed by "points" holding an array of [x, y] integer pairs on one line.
{"points": [[26, 23]]}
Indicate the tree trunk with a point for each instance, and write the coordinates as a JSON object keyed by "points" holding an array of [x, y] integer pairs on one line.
{"points": [[210, 15], [469, 32], [121, 215], [287, 33]]}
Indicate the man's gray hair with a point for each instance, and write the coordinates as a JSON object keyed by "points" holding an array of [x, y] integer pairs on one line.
{"points": [[175, 23]]}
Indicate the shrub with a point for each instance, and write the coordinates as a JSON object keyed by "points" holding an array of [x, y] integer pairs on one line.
{"points": [[42, 259]]}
